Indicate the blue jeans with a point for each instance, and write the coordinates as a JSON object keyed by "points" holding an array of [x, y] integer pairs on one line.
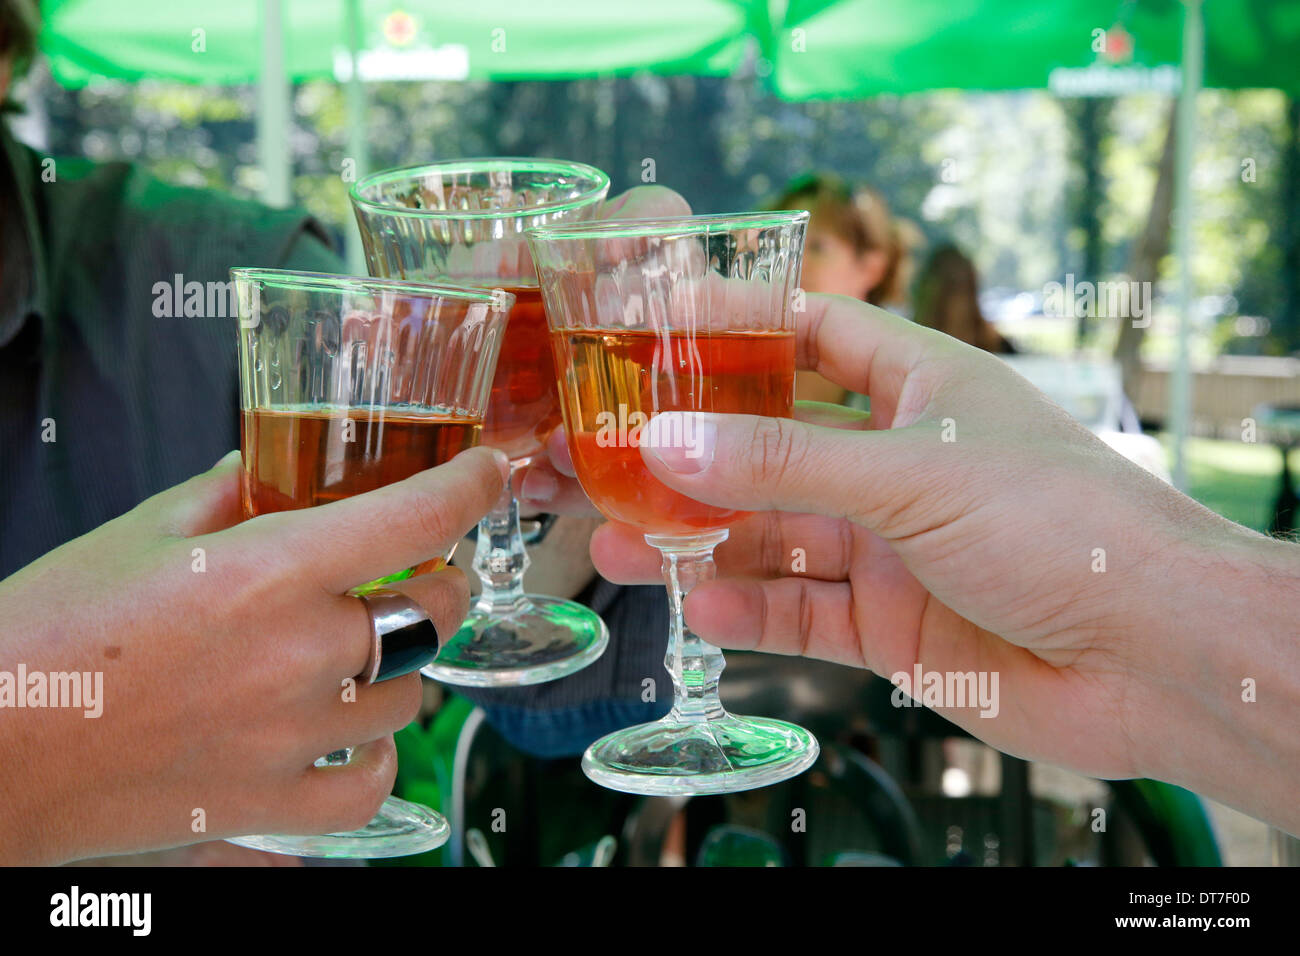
{"points": [[568, 731]]}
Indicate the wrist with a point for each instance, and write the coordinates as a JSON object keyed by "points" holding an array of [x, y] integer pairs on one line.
{"points": [[1225, 673], [35, 810]]}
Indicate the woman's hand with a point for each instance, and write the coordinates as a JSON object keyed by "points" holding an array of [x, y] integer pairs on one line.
{"points": [[973, 526], [223, 647]]}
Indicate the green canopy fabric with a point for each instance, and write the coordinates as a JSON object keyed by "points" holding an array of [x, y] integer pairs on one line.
{"points": [[818, 48], [856, 48], [501, 39]]}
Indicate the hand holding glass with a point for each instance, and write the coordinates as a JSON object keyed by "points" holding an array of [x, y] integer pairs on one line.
{"points": [[693, 315], [349, 384]]}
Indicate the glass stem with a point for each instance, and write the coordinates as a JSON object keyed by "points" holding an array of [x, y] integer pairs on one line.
{"points": [[500, 558], [694, 664]]}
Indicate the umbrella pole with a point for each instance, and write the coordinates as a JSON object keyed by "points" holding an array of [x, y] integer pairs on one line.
{"points": [[354, 109], [1180, 391], [273, 109]]}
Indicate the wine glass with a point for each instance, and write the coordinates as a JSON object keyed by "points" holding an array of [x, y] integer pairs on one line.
{"points": [[348, 384], [463, 222], [693, 314]]}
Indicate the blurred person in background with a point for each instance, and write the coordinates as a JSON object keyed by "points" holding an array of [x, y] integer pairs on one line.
{"points": [[854, 247], [947, 299]]}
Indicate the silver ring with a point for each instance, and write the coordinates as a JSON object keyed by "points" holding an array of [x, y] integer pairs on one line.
{"points": [[402, 638]]}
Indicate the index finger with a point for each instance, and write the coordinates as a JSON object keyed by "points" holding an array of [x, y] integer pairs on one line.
{"points": [[349, 542], [865, 349]]}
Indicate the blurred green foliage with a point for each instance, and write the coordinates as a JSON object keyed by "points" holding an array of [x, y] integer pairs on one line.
{"points": [[1239, 480]]}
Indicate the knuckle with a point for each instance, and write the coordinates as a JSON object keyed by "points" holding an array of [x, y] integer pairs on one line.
{"points": [[771, 549], [472, 485], [372, 784], [491, 484], [805, 618], [846, 547], [257, 560], [408, 696], [774, 444], [431, 517], [812, 348], [380, 773], [455, 578], [446, 599], [459, 598]]}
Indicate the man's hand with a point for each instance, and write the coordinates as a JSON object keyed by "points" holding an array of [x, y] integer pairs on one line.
{"points": [[974, 526]]}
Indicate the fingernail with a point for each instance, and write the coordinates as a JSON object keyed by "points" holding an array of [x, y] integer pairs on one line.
{"points": [[228, 457], [503, 463], [539, 486], [683, 442]]}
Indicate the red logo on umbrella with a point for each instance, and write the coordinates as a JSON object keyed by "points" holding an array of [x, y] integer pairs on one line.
{"points": [[1119, 45], [399, 28]]}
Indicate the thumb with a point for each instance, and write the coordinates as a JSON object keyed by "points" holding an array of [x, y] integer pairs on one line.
{"points": [[777, 464]]}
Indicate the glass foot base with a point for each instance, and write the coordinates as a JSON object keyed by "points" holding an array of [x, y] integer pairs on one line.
{"points": [[400, 828], [723, 755], [545, 639]]}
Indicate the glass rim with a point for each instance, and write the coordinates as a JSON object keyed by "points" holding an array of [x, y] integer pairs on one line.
{"points": [[339, 282], [667, 226], [593, 194]]}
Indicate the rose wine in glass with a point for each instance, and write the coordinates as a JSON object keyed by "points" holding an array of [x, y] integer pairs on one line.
{"points": [[463, 222], [524, 407], [615, 377], [348, 384], [675, 315]]}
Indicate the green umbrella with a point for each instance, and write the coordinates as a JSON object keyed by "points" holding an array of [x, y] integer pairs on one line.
{"points": [[203, 42], [856, 48]]}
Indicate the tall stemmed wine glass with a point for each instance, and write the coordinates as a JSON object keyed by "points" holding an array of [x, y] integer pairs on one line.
{"points": [[348, 384], [674, 315], [463, 222]]}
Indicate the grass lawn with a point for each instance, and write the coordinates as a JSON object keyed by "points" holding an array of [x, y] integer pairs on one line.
{"points": [[1237, 479]]}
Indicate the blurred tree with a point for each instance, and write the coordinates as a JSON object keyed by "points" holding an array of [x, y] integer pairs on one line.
{"points": [[1089, 116], [1151, 248], [1289, 229]]}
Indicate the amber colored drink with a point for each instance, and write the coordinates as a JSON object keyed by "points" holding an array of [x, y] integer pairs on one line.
{"points": [[300, 459], [303, 458], [523, 407], [612, 381]]}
